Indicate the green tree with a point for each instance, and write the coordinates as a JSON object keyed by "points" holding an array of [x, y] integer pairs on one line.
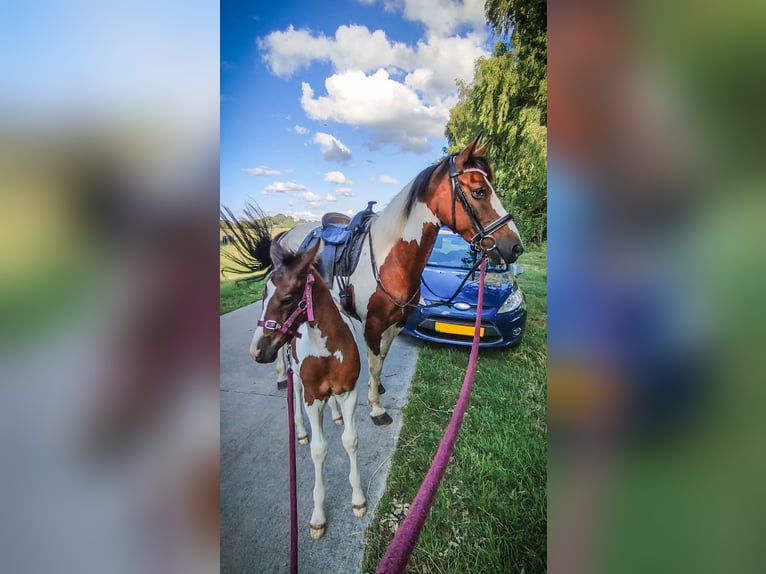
{"points": [[493, 104]]}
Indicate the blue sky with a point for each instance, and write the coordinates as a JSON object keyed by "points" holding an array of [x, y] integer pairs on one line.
{"points": [[326, 105]]}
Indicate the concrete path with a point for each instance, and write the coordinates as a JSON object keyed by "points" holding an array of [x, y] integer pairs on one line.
{"points": [[254, 467]]}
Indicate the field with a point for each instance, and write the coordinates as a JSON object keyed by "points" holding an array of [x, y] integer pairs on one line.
{"points": [[490, 512]]}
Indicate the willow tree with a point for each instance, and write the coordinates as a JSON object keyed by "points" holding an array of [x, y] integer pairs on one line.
{"points": [[497, 102]]}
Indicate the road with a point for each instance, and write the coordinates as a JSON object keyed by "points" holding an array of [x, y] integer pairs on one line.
{"points": [[254, 465]]}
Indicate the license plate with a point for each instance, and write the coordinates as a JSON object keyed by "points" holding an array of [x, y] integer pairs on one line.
{"points": [[457, 329]]}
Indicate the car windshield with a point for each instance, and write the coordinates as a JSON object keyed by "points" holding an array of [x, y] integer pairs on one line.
{"points": [[455, 252]]}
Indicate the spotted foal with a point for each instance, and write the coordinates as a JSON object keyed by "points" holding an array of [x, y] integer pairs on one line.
{"points": [[300, 310]]}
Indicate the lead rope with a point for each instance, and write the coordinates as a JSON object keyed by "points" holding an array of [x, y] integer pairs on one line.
{"points": [[293, 477], [399, 550]]}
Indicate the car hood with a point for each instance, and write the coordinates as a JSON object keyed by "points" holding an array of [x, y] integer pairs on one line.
{"points": [[444, 281]]}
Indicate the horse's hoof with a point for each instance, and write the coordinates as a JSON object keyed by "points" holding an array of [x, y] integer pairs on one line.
{"points": [[382, 420], [360, 509], [281, 385], [338, 421], [317, 531], [381, 389], [303, 440]]}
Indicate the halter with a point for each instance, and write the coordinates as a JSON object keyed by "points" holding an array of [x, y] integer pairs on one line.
{"points": [[306, 304], [482, 233]]}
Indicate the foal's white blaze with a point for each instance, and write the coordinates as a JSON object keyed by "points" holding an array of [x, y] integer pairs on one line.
{"points": [[270, 290]]}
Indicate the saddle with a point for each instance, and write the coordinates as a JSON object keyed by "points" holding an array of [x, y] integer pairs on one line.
{"points": [[343, 237]]}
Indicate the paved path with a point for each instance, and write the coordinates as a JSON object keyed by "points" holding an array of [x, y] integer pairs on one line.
{"points": [[254, 486]]}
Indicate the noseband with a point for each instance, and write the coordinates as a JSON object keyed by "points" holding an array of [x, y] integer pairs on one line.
{"points": [[483, 240], [306, 305]]}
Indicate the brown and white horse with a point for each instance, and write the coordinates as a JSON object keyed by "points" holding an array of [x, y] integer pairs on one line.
{"points": [[456, 192], [300, 310]]}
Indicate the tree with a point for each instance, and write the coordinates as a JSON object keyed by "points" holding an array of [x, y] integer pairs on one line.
{"points": [[493, 104]]}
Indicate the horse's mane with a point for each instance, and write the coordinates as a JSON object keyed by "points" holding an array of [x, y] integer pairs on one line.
{"points": [[421, 182]]}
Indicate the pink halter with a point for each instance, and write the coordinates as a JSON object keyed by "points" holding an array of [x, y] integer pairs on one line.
{"points": [[306, 304]]}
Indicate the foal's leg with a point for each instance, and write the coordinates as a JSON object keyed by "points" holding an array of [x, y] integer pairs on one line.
{"points": [[300, 428], [350, 443], [282, 369], [378, 413], [337, 418], [318, 453]]}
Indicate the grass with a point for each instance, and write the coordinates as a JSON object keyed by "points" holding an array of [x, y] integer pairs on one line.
{"points": [[235, 291], [490, 512]]}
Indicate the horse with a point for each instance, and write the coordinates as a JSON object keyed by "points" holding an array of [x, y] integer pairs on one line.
{"points": [[299, 310], [384, 288]]}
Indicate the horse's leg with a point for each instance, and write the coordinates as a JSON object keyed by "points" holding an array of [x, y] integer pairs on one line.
{"points": [[337, 418], [350, 443], [282, 369], [300, 428], [378, 413], [318, 453]]}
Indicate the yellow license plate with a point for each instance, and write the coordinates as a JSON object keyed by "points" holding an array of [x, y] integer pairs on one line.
{"points": [[457, 329]]}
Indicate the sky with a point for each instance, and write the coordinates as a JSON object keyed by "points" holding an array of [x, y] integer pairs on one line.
{"points": [[327, 105]]}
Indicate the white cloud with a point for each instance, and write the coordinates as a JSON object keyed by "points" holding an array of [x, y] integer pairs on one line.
{"points": [[330, 197], [337, 177], [391, 109], [344, 191], [300, 130], [308, 196], [263, 170], [401, 92], [387, 179], [284, 187], [332, 148]]}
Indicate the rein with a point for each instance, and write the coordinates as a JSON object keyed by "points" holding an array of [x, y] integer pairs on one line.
{"points": [[305, 305], [482, 233]]}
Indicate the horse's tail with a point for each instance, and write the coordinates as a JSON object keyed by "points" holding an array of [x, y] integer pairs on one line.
{"points": [[250, 238]]}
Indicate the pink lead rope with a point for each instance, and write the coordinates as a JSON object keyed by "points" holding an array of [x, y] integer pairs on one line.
{"points": [[401, 547], [293, 477]]}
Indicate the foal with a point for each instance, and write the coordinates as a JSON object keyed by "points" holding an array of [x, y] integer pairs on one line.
{"points": [[300, 310]]}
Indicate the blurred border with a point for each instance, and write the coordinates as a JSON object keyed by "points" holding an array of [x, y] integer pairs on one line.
{"points": [[109, 291], [655, 270]]}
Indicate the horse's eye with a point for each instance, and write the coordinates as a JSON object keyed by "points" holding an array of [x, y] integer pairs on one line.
{"points": [[479, 193], [286, 300]]}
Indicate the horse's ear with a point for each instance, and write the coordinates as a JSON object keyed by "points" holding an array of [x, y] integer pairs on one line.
{"points": [[483, 149], [310, 256], [468, 151], [277, 253]]}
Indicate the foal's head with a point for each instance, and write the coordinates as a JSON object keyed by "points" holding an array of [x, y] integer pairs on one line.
{"points": [[283, 297]]}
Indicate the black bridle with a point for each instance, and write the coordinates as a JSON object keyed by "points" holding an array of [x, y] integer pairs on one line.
{"points": [[479, 241]]}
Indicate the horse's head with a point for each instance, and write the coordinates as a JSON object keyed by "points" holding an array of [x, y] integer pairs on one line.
{"points": [[464, 200], [286, 301]]}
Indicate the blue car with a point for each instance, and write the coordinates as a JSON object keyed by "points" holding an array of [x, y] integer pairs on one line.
{"points": [[504, 315]]}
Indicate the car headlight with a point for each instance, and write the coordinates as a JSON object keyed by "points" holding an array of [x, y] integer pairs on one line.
{"points": [[513, 302]]}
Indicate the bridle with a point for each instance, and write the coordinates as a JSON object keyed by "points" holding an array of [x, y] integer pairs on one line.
{"points": [[483, 240], [305, 305]]}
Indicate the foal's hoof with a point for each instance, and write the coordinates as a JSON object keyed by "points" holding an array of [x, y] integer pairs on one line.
{"points": [[338, 421], [303, 440], [360, 509], [317, 531], [381, 389], [382, 420], [281, 385]]}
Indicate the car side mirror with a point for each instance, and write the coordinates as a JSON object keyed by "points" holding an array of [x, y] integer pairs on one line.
{"points": [[517, 269]]}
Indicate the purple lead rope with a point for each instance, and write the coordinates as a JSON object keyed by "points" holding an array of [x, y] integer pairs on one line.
{"points": [[293, 478], [401, 547]]}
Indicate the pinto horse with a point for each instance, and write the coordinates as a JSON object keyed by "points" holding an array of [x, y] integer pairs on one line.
{"points": [[384, 288], [299, 310]]}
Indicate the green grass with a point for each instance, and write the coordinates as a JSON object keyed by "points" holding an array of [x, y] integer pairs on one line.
{"points": [[234, 295], [490, 512]]}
